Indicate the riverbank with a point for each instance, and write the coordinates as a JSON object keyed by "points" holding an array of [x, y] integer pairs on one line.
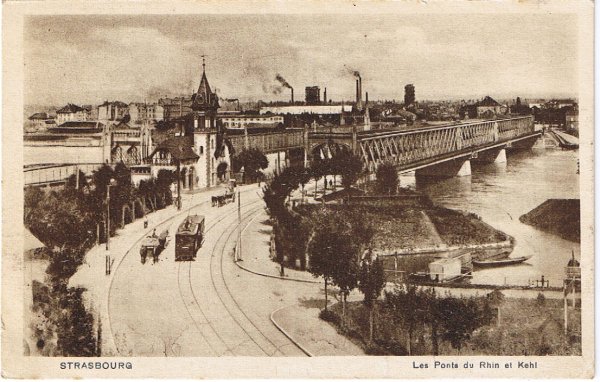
{"points": [[560, 217], [407, 236]]}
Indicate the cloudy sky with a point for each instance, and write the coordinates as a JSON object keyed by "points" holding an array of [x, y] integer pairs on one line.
{"points": [[89, 59]]}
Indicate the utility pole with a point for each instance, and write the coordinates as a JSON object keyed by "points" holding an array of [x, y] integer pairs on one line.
{"points": [[178, 185], [107, 216], [77, 177], [239, 257], [107, 259]]}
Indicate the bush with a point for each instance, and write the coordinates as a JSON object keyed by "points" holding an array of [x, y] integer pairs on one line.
{"points": [[541, 299], [330, 316]]}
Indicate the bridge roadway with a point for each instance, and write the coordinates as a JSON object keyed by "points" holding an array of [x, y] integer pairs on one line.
{"points": [[420, 148], [409, 150]]}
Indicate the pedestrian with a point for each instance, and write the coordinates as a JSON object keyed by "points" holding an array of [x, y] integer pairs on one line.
{"points": [[145, 222]]}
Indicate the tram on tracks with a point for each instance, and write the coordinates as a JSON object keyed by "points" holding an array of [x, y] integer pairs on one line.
{"points": [[189, 238]]}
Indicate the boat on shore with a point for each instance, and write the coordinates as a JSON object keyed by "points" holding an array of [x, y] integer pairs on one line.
{"points": [[491, 256], [500, 262]]}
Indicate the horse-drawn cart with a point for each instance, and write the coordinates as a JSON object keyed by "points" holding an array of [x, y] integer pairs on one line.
{"points": [[150, 247]]}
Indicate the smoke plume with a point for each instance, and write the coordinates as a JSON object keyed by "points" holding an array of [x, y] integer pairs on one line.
{"points": [[353, 72], [282, 81]]}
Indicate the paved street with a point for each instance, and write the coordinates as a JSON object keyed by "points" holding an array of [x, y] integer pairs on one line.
{"points": [[209, 307]]}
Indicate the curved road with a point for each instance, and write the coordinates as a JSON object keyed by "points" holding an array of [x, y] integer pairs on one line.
{"points": [[208, 307]]}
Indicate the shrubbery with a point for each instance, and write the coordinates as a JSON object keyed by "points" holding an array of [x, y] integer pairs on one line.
{"points": [[68, 223]]}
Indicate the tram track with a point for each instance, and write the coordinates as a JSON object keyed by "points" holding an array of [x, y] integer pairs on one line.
{"points": [[164, 223], [255, 335], [196, 306]]}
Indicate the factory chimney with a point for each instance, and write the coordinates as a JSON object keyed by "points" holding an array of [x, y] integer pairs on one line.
{"points": [[325, 96], [357, 92], [366, 97], [292, 94]]}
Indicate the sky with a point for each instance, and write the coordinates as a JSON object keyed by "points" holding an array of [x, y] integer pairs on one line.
{"points": [[89, 59]]}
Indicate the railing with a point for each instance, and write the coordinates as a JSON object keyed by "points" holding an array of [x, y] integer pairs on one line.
{"points": [[406, 147], [56, 173], [269, 142]]}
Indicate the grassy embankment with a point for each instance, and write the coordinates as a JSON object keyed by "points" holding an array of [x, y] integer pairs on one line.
{"points": [[526, 327], [417, 232], [557, 216]]}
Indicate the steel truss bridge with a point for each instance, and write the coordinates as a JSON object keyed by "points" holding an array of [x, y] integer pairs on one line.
{"points": [[409, 150], [416, 149]]}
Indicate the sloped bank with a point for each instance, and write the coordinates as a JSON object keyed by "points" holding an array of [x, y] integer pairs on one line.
{"points": [[560, 217], [408, 234]]}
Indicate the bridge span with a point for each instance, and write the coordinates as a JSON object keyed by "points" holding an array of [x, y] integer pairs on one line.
{"points": [[437, 151], [431, 151]]}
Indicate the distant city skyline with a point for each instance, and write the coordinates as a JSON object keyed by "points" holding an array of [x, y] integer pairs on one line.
{"points": [[90, 59]]}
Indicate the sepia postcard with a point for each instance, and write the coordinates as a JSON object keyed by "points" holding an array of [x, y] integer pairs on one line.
{"points": [[229, 190]]}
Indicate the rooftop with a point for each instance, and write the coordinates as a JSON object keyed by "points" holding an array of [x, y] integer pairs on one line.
{"points": [[180, 148]]}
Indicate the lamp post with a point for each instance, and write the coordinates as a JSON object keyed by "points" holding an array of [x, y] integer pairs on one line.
{"points": [[178, 185], [239, 249], [107, 260]]}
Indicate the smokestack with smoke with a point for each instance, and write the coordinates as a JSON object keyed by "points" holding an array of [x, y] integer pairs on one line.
{"points": [[284, 83], [356, 74]]}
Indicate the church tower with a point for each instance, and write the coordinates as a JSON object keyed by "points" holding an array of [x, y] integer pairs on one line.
{"points": [[205, 104], [214, 163]]}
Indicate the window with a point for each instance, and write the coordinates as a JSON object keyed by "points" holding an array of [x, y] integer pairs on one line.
{"points": [[201, 150]]}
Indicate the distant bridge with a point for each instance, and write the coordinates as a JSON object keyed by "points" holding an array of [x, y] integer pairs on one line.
{"points": [[437, 150]]}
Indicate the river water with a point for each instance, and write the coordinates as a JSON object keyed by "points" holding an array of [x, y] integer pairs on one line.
{"points": [[500, 194]]}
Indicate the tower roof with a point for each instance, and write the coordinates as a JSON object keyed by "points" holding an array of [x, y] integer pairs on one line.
{"points": [[204, 97]]}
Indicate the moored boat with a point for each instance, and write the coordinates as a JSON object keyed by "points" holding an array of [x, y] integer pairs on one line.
{"points": [[500, 262]]}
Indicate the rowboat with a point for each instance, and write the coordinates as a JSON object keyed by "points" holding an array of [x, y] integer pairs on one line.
{"points": [[501, 262]]}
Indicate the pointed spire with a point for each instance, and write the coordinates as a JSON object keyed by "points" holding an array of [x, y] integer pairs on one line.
{"points": [[204, 97]]}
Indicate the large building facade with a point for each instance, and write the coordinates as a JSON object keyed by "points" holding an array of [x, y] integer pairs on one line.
{"points": [[199, 149]]}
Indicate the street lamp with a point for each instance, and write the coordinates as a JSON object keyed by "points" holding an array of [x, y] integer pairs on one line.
{"points": [[108, 186]]}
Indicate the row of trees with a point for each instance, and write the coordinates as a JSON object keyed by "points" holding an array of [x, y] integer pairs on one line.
{"points": [[290, 232], [252, 160], [339, 252], [69, 222], [447, 318]]}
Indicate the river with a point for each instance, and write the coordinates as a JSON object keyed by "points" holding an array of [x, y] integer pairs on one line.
{"points": [[500, 194]]}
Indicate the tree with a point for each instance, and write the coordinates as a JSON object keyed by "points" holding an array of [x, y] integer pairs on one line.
{"points": [[317, 171], [371, 281], [164, 180], [460, 318], [351, 167], [322, 249], [387, 179], [345, 266], [122, 192], [406, 304], [252, 160]]}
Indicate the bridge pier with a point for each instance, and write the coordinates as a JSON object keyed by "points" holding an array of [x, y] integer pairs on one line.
{"points": [[408, 179], [497, 156], [524, 144], [447, 169]]}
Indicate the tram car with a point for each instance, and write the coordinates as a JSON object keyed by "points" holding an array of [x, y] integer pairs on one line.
{"points": [[189, 238]]}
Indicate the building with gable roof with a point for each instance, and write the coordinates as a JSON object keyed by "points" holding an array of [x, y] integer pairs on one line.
{"points": [[71, 112], [199, 147], [488, 108]]}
